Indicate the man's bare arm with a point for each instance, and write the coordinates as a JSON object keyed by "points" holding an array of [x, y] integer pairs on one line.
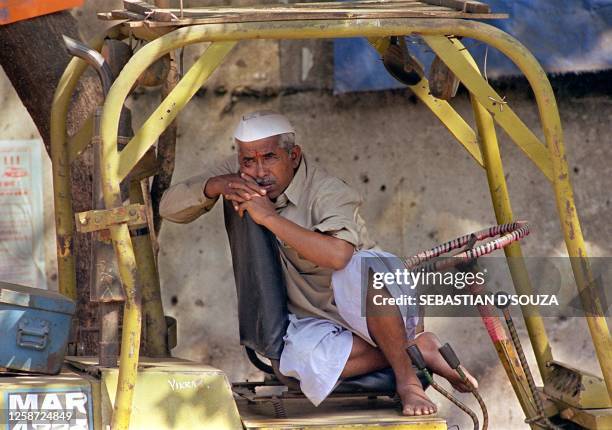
{"points": [[318, 248], [186, 201]]}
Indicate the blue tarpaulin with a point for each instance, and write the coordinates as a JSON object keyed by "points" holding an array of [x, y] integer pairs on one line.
{"points": [[564, 35]]}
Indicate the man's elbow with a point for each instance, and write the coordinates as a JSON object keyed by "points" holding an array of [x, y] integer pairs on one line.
{"points": [[168, 213], [182, 217], [176, 220], [343, 257], [165, 213]]}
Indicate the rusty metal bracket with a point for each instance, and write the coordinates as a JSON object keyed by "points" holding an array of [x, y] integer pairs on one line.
{"points": [[134, 215]]}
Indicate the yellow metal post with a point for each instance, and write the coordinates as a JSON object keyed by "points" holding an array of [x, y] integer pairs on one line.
{"points": [[60, 163], [111, 178], [514, 255], [155, 322], [132, 314], [60, 160], [503, 213], [450, 118]]}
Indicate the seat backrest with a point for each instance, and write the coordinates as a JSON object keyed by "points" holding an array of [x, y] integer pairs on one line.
{"points": [[260, 284]]}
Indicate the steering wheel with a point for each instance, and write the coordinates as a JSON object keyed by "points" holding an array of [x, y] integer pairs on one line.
{"points": [[510, 233], [427, 260]]}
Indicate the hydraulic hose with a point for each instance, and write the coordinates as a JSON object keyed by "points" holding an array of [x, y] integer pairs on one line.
{"points": [[453, 361], [505, 308]]}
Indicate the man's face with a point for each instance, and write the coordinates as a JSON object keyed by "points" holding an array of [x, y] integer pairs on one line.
{"points": [[271, 166]]}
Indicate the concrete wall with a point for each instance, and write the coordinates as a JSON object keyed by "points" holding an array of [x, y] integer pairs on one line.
{"points": [[419, 186]]}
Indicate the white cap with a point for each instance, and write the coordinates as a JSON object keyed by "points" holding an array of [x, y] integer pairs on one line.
{"points": [[262, 124]]}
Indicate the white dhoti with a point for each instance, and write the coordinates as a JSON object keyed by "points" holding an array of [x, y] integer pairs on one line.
{"points": [[316, 350]]}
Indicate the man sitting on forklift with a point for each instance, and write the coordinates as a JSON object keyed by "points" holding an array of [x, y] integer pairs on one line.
{"points": [[323, 243]]}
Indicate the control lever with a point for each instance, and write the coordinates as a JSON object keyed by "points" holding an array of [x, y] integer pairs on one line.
{"points": [[449, 356], [417, 359]]}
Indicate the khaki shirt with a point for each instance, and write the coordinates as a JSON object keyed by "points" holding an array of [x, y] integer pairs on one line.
{"points": [[314, 200]]}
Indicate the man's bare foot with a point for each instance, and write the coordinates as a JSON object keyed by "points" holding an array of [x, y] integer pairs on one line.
{"points": [[458, 383], [415, 401]]}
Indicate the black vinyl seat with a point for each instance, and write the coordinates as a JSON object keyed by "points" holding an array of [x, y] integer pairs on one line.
{"points": [[262, 303]]}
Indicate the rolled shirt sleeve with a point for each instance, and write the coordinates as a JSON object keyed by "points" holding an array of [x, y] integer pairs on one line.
{"points": [[186, 201], [336, 212]]}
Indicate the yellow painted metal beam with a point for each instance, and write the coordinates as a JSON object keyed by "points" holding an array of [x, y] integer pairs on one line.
{"points": [[132, 319], [503, 214], [169, 108], [81, 139], [514, 255], [449, 117], [448, 50]]}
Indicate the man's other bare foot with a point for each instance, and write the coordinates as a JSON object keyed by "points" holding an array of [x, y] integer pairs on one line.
{"points": [[458, 383], [415, 401]]}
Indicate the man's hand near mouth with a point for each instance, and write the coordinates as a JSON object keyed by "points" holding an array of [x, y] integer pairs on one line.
{"points": [[235, 187]]}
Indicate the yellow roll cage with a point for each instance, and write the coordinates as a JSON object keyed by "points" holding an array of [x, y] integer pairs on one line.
{"points": [[442, 35]]}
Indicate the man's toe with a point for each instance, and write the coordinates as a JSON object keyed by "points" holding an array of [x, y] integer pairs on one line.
{"points": [[409, 411]]}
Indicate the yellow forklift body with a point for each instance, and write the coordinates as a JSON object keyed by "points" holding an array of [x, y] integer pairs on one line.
{"points": [[335, 414], [170, 393], [126, 388]]}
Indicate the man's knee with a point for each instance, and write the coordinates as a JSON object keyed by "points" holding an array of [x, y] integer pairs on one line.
{"points": [[428, 340]]}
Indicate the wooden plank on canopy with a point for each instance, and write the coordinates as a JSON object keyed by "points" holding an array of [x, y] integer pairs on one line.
{"points": [[462, 5], [151, 16], [315, 15]]}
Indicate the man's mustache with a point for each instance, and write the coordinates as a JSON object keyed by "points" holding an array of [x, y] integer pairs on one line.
{"points": [[265, 181]]}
